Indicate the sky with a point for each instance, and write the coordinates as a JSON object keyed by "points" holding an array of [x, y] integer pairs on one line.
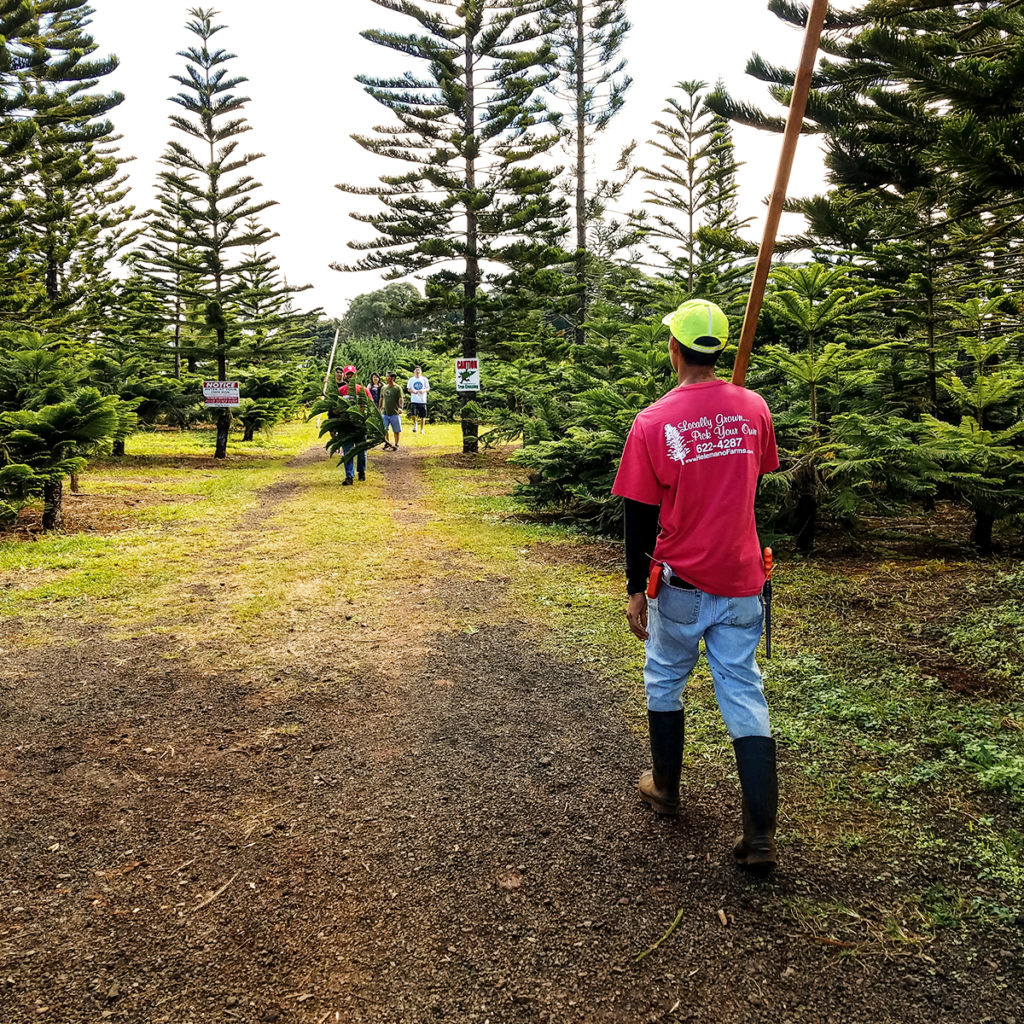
{"points": [[305, 104]]}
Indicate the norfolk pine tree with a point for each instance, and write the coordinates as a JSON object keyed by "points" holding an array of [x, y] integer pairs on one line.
{"points": [[693, 225], [64, 207], [214, 220], [896, 204], [169, 266], [16, 130], [262, 306], [468, 127], [591, 84]]}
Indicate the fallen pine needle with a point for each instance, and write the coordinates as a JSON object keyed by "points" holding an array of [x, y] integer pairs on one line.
{"points": [[835, 942], [209, 899], [672, 928]]}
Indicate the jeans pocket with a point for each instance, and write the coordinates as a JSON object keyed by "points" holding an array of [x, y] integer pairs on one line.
{"points": [[682, 606], [745, 611]]}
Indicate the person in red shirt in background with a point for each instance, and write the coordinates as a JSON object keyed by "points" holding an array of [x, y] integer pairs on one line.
{"points": [[691, 465], [348, 388]]}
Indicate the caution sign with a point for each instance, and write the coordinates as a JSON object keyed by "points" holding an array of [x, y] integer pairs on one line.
{"points": [[219, 394], [467, 374]]}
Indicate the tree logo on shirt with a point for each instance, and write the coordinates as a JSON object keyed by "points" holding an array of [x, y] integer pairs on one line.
{"points": [[677, 450]]}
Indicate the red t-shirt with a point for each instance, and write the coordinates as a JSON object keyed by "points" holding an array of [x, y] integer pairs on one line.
{"points": [[360, 390], [697, 453]]}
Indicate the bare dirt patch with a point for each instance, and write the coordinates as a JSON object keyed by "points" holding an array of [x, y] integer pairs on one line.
{"points": [[602, 556], [912, 605], [486, 459], [92, 513]]}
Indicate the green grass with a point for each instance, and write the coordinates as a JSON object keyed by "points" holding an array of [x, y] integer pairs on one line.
{"points": [[183, 517], [286, 439]]}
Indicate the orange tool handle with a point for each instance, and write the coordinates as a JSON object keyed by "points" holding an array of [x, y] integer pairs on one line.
{"points": [[768, 564], [654, 583]]}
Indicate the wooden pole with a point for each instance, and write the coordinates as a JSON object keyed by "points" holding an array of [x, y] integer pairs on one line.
{"points": [[330, 363], [794, 122]]}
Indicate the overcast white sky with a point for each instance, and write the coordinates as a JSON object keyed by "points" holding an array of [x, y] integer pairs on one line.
{"points": [[300, 59]]}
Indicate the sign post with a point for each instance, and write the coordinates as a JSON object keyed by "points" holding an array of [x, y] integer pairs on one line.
{"points": [[220, 394], [330, 363], [467, 374]]}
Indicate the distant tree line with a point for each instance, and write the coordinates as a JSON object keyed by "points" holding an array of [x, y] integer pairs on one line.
{"points": [[889, 345]]}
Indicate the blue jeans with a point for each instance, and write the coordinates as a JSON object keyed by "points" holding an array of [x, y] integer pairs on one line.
{"points": [[731, 628], [360, 460]]}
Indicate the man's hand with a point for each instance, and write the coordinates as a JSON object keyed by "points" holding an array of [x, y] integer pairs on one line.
{"points": [[636, 615]]}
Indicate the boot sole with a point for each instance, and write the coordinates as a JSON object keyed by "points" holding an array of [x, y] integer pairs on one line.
{"points": [[756, 863], [759, 868]]}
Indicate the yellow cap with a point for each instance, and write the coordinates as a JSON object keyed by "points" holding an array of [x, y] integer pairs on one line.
{"points": [[698, 318]]}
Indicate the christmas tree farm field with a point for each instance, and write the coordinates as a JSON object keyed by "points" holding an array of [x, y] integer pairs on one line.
{"points": [[278, 749]]}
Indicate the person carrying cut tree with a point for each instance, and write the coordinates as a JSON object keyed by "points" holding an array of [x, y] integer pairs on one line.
{"points": [[691, 465], [353, 392]]}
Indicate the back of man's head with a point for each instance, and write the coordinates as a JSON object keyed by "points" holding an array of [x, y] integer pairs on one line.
{"points": [[694, 358]]}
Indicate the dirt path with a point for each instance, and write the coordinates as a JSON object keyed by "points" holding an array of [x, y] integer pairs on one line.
{"points": [[402, 822]]}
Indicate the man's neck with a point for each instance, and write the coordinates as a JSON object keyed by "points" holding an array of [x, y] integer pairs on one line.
{"points": [[696, 374]]}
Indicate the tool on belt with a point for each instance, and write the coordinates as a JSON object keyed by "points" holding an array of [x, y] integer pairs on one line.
{"points": [[766, 594], [654, 583]]}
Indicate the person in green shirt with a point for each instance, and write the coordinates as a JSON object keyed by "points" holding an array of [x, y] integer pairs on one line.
{"points": [[392, 402]]}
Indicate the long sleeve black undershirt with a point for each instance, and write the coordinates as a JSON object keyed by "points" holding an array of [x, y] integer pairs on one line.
{"points": [[641, 531]]}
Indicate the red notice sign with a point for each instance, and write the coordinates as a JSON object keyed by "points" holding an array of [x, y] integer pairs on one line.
{"points": [[220, 393]]}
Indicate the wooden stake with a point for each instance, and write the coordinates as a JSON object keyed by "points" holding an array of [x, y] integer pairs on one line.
{"points": [[330, 362], [794, 122]]}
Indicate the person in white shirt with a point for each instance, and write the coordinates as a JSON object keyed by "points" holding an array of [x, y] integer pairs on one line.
{"points": [[418, 386]]}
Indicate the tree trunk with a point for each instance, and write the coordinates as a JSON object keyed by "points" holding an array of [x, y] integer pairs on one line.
{"points": [[933, 375], [53, 505], [805, 515], [224, 415], [74, 483], [223, 429], [118, 447], [250, 430], [470, 427], [806, 521], [177, 340], [981, 536], [581, 178]]}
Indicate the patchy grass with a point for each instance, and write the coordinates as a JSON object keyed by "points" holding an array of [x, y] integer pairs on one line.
{"points": [[176, 519], [286, 439]]}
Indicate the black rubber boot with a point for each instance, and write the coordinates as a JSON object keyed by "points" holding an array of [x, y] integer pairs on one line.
{"points": [[660, 787], [759, 780]]}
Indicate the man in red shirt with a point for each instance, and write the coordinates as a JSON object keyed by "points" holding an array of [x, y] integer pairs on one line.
{"points": [[352, 392], [691, 465]]}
